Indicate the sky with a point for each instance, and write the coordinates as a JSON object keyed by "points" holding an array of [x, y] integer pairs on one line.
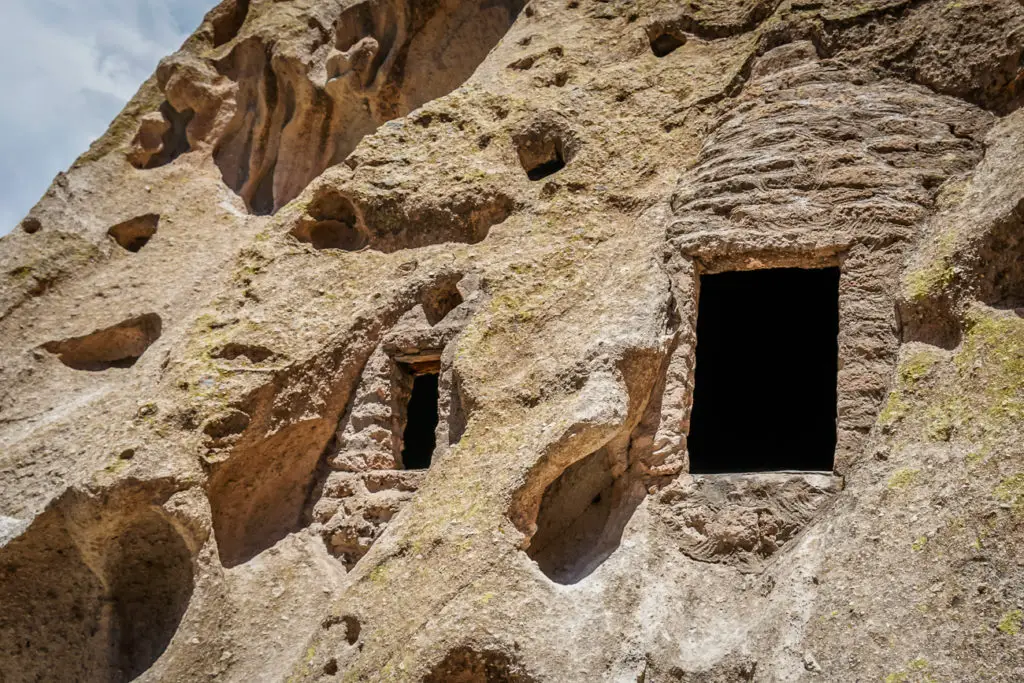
{"points": [[67, 67]]}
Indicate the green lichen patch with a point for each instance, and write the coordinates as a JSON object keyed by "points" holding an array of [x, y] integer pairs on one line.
{"points": [[1011, 622], [974, 397], [916, 366], [915, 670], [1011, 490], [914, 370], [991, 360], [903, 478], [932, 278]]}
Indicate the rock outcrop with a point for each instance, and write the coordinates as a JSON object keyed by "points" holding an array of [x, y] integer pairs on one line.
{"points": [[362, 347]]}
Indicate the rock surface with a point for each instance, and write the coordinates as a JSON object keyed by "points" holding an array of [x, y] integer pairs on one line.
{"points": [[216, 322]]}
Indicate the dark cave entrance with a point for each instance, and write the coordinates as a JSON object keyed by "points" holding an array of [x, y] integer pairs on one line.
{"points": [[419, 437], [767, 363]]}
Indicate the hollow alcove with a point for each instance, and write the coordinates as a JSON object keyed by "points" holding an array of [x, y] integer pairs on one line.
{"points": [[766, 369], [331, 223], [439, 301], [582, 516], [335, 235], [543, 150], [133, 234], [161, 138], [118, 346], [99, 602], [151, 582], [227, 20], [465, 665], [418, 438], [664, 42]]}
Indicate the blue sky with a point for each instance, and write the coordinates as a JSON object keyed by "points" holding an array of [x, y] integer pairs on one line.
{"points": [[66, 69]]}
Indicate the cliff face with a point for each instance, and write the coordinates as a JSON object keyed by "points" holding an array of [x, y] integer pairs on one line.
{"points": [[363, 347]]}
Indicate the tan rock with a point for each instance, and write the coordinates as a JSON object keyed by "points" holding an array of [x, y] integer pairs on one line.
{"points": [[364, 346]]}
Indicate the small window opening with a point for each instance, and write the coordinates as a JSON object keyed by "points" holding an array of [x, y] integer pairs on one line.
{"points": [[544, 149], [549, 167], [419, 438], [665, 44], [134, 234], [766, 369]]}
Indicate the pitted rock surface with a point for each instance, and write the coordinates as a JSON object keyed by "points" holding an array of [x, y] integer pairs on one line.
{"points": [[214, 323]]}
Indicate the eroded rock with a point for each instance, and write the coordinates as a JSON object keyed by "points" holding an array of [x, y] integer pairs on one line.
{"points": [[416, 379]]}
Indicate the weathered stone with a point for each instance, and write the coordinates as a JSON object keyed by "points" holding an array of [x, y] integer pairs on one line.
{"points": [[215, 323]]}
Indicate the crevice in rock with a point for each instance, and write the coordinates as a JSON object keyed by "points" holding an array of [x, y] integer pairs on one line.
{"points": [[468, 665], [118, 346], [246, 151], [387, 59], [133, 234], [254, 353]]}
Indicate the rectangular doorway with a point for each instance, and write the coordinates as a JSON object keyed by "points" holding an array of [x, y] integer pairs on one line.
{"points": [[766, 368]]}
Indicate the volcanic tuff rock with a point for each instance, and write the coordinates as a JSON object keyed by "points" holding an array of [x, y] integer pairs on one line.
{"points": [[216, 325]]}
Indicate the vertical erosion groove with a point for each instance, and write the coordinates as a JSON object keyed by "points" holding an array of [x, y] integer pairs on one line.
{"points": [[386, 61]]}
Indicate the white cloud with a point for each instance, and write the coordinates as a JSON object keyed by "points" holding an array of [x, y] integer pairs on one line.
{"points": [[66, 68]]}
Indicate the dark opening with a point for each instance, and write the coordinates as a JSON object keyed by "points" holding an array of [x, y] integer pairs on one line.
{"points": [[336, 235], [134, 234], [544, 148], [665, 43], [229, 21], [419, 439], [548, 167], [767, 361], [175, 138], [150, 591]]}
